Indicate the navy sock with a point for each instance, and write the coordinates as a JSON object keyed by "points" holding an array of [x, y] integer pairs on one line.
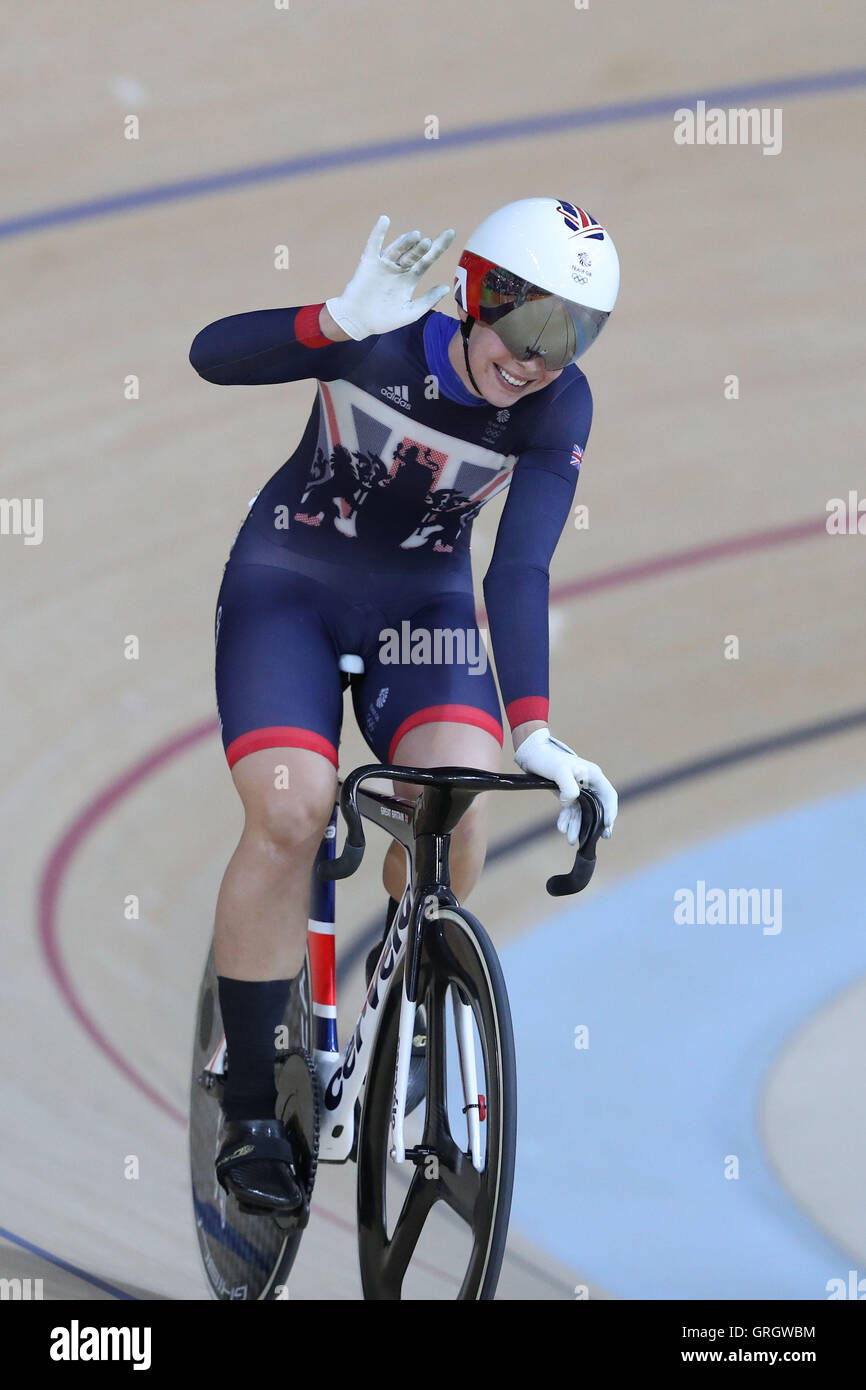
{"points": [[252, 1010]]}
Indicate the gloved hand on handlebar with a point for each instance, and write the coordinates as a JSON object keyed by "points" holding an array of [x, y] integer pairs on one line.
{"points": [[545, 756], [378, 298]]}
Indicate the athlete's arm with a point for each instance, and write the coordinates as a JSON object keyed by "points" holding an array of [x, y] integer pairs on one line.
{"points": [[267, 346], [516, 591], [517, 586], [517, 583]]}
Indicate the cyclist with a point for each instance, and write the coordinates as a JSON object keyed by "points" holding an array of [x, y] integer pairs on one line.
{"points": [[418, 420]]}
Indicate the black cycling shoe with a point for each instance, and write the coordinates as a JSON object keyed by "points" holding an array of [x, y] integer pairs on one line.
{"points": [[256, 1165], [416, 1089]]}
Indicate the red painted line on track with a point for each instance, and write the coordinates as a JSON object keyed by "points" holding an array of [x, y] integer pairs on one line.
{"points": [[686, 559], [51, 881]]}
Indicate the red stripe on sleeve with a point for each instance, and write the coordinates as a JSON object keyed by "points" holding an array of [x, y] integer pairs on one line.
{"points": [[307, 330], [530, 707]]}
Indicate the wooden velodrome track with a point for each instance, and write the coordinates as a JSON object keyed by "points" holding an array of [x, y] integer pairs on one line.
{"points": [[706, 514]]}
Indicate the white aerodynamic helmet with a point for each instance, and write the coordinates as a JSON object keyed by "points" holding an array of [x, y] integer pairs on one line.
{"points": [[544, 275]]}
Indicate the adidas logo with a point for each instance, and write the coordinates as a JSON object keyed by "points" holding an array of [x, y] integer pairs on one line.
{"points": [[398, 395]]}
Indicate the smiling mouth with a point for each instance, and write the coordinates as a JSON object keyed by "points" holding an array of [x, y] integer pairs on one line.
{"points": [[514, 383]]}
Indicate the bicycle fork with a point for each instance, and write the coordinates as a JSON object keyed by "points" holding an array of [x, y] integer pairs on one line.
{"points": [[473, 1100]]}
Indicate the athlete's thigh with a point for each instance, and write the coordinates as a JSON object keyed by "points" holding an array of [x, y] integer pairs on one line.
{"points": [[277, 675], [447, 745]]}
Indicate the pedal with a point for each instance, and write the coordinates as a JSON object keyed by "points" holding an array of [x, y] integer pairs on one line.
{"points": [[293, 1220]]}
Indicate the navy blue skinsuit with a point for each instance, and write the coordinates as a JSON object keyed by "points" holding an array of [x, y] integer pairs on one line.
{"points": [[359, 543]]}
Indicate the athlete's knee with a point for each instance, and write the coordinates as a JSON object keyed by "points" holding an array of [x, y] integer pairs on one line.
{"points": [[288, 823], [288, 801]]}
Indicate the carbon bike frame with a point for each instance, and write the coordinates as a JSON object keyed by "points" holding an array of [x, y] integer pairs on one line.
{"points": [[342, 1075], [424, 828]]}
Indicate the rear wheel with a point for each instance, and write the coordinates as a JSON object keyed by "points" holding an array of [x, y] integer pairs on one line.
{"points": [[248, 1256], [436, 1226]]}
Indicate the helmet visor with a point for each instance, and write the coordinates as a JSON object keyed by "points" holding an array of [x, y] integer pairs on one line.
{"points": [[532, 322]]}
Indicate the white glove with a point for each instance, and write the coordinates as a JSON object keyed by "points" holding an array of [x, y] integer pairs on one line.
{"points": [[545, 756], [378, 298]]}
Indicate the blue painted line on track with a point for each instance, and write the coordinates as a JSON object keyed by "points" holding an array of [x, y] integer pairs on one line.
{"points": [[377, 152], [65, 1264]]}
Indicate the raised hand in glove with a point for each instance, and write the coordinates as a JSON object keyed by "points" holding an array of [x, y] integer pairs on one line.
{"points": [[378, 298]]}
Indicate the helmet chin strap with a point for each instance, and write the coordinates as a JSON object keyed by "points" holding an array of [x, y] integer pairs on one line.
{"points": [[465, 330]]}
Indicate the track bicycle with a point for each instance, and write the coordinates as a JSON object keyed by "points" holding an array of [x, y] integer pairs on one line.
{"points": [[455, 1154]]}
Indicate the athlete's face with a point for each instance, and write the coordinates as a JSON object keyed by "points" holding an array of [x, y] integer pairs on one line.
{"points": [[501, 378]]}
